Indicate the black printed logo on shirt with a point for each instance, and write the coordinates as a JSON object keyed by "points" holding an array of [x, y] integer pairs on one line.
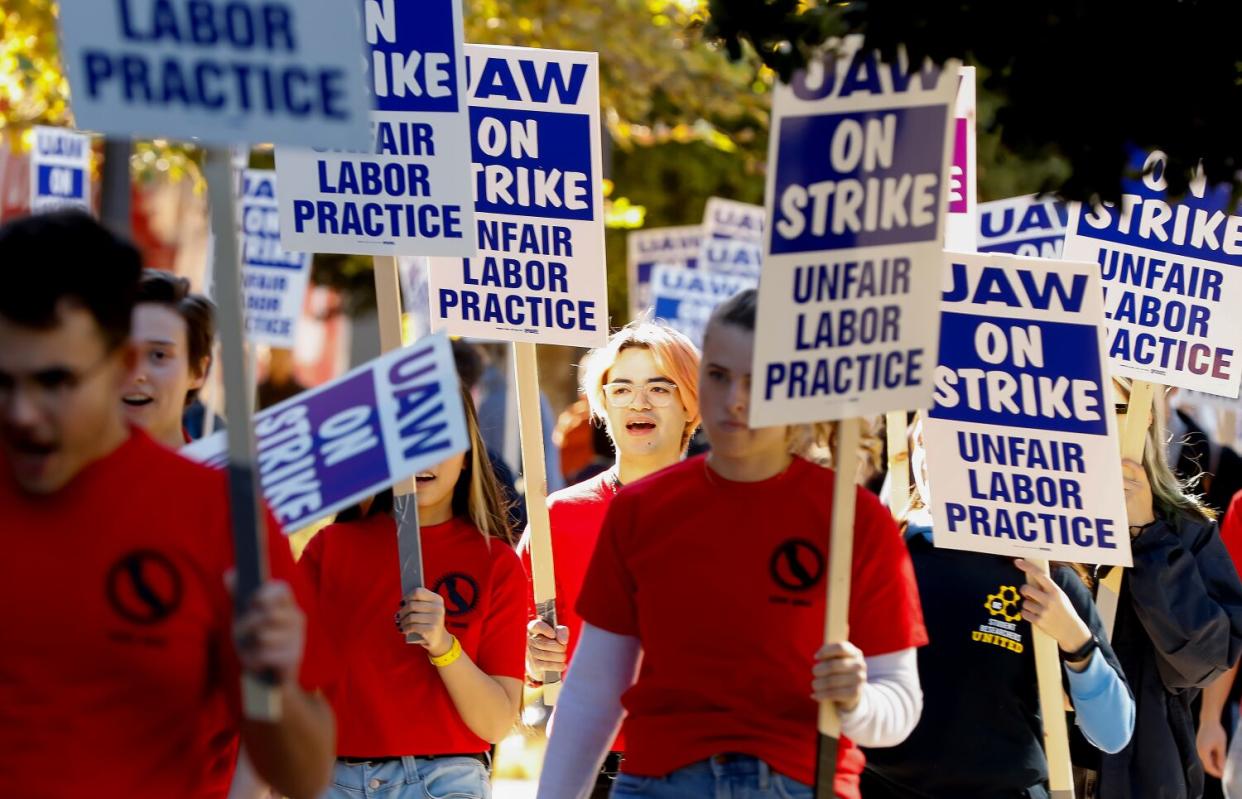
{"points": [[797, 564], [144, 587], [460, 592]]}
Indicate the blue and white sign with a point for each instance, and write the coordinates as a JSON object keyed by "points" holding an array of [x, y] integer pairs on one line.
{"points": [[273, 280], [671, 246], [685, 298], [856, 195], [1172, 274], [1022, 440], [539, 274], [730, 219], [409, 194], [329, 447], [1026, 225], [283, 71], [60, 170], [732, 257]]}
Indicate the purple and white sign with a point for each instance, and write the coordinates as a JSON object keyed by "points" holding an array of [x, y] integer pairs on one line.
{"points": [[1026, 225], [685, 298], [60, 170], [273, 280], [731, 257], [730, 219], [671, 246], [329, 447], [959, 231], [857, 180]]}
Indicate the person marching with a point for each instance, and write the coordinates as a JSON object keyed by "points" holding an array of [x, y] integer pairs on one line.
{"points": [[1178, 627], [123, 657], [643, 386], [419, 720], [173, 331], [981, 735], [714, 570]]}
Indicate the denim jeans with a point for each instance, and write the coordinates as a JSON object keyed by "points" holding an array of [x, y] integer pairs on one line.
{"points": [[720, 777], [411, 778]]}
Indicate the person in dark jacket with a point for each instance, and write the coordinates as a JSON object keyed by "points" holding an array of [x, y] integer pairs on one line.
{"points": [[981, 733], [1179, 626]]}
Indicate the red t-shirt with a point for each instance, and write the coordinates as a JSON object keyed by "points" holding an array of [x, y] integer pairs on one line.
{"points": [[1231, 531], [118, 675], [576, 515], [389, 699], [723, 583]]}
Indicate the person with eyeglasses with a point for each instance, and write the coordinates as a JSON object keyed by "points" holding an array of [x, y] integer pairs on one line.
{"points": [[703, 615], [121, 656], [643, 387]]}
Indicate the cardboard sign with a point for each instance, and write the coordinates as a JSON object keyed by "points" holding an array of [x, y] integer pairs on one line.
{"points": [[962, 221], [409, 194], [857, 180], [1024, 225], [1022, 439], [284, 71], [329, 447], [1172, 274], [730, 219], [685, 298], [671, 246], [731, 257], [539, 275], [273, 281], [60, 170]]}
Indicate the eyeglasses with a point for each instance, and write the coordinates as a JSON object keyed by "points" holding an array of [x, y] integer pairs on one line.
{"points": [[659, 393], [49, 388]]}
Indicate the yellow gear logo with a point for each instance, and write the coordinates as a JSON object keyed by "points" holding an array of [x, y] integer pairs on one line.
{"points": [[1004, 603]]}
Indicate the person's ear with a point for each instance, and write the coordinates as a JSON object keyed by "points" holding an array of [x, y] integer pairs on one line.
{"points": [[198, 377]]}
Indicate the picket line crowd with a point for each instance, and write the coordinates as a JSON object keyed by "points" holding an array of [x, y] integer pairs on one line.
{"points": [[690, 594]]}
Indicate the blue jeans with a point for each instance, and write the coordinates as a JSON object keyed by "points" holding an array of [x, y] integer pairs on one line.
{"points": [[737, 777], [411, 778]]}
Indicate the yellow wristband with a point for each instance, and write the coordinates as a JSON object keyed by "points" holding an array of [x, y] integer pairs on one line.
{"points": [[449, 657]]}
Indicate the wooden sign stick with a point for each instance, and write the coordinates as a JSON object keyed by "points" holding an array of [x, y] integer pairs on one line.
{"points": [[260, 700], [1133, 431], [1052, 709], [837, 611], [535, 479], [404, 501], [898, 461]]}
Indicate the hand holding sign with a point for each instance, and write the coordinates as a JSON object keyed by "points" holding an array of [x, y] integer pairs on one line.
{"points": [[840, 672], [271, 634], [1047, 607], [546, 649], [422, 614]]}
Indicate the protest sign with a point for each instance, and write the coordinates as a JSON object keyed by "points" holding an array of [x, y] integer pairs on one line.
{"points": [[672, 246], [242, 71], [328, 447], [731, 257], [409, 193], [1024, 225], [273, 281], [857, 180], [963, 216], [539, 273], [1022, 441], [685, 298], [730, 219], [1171, 274], [60, 170]]}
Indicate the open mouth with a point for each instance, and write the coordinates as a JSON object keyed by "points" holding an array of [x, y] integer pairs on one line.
{"points": [[424, 477], [640, 427], [137, 400]]}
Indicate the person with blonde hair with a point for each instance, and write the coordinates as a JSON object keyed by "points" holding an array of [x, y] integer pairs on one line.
{"points": [[714, 570], [643, 387], [413, 724], [1178, 627]]}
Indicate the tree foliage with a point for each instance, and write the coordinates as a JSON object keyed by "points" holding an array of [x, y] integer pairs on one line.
{"points": [[1079, 80]]}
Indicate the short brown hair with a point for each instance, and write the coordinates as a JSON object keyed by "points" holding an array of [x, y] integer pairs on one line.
{"points": [[199, 313]]}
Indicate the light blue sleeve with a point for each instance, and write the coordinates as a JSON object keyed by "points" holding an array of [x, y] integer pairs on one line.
{"points": [[1104, 709]]}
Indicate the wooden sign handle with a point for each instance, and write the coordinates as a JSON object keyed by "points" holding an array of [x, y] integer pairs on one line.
{"points": [[898, 461], [260, 698], [837, 610], [1133, 431], [535, 479], [404, 503], [1052, 709]]}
